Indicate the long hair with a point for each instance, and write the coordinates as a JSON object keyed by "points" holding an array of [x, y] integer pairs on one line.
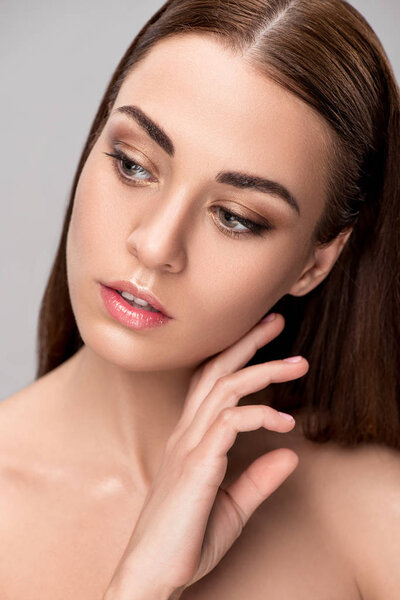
{"points": [[348, 327]]}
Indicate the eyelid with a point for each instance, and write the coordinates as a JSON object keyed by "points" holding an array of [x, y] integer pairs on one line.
{"points": [[253, 227], [257, 226], [119, 146], [242, 213], [120, 127], [118, 156]]}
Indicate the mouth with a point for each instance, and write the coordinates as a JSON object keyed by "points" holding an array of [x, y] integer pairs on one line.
{"points": [[135, 314], [137, 296], [137, 302]]}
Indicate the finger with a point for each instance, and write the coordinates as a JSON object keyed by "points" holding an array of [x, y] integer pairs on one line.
{"points": [[261, 479], [229, 389], [235, 504], [228, 361], [212, 449]]}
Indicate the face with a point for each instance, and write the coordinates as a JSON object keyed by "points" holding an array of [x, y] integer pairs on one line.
{"points": [[217, 253]]}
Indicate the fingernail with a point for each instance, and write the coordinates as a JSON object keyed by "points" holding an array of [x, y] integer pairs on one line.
{"points": [[293, 359], [286, 416], [268, 318]]}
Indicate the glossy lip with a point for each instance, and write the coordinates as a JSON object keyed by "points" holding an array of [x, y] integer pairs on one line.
{"points": [[128, 315], [143, 294]]}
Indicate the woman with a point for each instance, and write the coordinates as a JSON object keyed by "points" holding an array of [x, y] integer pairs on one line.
{"points": [[243, 162]]}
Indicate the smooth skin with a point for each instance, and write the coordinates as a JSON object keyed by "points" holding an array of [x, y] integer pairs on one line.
{"points": [[91, 452], [161, 225], [187, 486]]}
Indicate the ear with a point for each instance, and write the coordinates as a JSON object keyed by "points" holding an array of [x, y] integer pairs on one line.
{"points": [[319, 265]]}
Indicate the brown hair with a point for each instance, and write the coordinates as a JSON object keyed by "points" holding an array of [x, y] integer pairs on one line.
{"points": [[348, 327]]}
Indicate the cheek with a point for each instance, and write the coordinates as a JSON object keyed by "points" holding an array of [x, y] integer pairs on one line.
{"points": [[232, 287], [226, 289], [90, 249], [90, 235]]}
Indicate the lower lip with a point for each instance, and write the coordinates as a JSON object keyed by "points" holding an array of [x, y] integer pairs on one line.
{"points": [[125, 313]]}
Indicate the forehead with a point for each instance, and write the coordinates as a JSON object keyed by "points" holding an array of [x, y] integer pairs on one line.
{"points": [[222, 113]]}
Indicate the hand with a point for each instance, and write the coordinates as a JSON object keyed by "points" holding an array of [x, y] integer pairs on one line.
{"points": [[188, 522]]}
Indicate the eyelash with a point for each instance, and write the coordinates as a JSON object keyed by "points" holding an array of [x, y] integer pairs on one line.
{"points": [[253, 228]]}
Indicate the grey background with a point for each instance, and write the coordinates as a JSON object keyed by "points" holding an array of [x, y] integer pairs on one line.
{"points": [[56, 59]]}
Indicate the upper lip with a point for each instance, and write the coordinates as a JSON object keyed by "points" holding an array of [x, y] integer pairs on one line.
{"points": [[142, 293]]}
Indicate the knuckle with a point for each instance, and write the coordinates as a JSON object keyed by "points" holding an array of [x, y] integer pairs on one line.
{"points": [[225, 385], [183, 445], [268, 411], [226, 415], [190, 461]]}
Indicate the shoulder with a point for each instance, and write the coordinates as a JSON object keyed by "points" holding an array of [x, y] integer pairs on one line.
{"points": [[356, 491], [28, 427], [350, 499]]}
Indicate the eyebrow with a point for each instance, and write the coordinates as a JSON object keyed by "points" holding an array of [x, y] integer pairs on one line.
{"points": [[234, 178]]}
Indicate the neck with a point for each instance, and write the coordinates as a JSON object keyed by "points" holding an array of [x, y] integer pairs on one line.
{"points": [[126, 416]]}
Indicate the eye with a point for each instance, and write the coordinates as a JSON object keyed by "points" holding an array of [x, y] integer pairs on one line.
{"points": [[123, 165], [137, 176], [250, 227]]}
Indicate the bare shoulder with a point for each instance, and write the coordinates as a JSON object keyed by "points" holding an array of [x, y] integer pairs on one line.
{"points": [[28, 423], [22, 411], [341, 506], [355, 492], [17, 410], [18, 424], [18, 452]]}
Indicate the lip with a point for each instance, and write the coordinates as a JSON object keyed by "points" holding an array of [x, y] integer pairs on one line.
{"points": [[128, 315], [143, 294]]}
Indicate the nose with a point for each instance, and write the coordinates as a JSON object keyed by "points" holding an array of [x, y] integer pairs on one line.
{"points": [[158, 238]]}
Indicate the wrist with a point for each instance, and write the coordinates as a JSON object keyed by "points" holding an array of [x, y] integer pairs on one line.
{"points": [[135, 586], [134, 591]]}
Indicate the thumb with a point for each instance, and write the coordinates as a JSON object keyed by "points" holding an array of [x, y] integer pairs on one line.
{"points": [[235, 504], [260, 480]]}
